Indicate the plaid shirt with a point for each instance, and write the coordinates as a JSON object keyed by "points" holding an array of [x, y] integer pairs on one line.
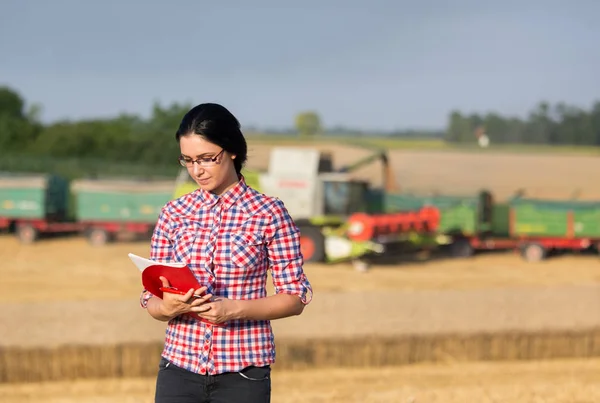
{"points": [[229, 242]]}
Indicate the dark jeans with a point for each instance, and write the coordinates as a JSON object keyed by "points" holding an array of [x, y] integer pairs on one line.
{"points": [[177, 385]]}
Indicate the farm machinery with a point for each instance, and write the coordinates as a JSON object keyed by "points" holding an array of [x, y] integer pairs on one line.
{"points": [[32, 205], [339, 216], [344, 218], [535, 228], [322, 201]]}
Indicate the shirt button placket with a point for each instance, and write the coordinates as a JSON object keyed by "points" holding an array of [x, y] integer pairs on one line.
{"points": [[215, 233], [210, 246], [206, 348]]}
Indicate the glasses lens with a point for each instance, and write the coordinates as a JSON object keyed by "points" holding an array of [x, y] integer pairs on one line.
{"points": [[203, 162]]}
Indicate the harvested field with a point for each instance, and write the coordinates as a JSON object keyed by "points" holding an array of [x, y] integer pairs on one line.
{"points": [[330, 315], [488, 293], [83, 320], [66, 284], [82, 304], [69, 269], [561, 381]]}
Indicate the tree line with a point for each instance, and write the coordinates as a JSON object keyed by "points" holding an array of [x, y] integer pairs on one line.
{"points": [[559, 124], [150, 141], [122, 138]]}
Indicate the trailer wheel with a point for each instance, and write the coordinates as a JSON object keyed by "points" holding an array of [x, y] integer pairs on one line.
{"points": [[312, 244], [98, 236], [533, 252], [27, 233], [461, 247]]}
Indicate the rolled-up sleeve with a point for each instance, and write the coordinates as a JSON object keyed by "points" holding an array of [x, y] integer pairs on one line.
{"points": [[160, 247], [285, 258]]}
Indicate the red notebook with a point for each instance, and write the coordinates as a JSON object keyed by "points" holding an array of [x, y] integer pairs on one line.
{"points": [[179, 275]]}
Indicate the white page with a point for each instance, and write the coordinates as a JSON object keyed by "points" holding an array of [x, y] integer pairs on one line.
{"points": [[142, 263]]}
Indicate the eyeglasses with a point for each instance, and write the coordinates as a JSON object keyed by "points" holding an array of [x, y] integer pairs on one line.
{"points": [[203, 161]]}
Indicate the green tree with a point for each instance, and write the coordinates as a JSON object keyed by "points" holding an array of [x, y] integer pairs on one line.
{"points": [[308, 123], [17, 132], [11, 103], [545, 124], [460, 128], [595, 123], [155, 140]]}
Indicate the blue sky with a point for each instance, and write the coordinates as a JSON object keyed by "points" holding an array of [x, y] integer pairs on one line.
{"points": [[379, 65]]}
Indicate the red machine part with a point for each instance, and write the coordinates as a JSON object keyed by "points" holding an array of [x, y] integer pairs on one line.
{"points": [[363, 227]]}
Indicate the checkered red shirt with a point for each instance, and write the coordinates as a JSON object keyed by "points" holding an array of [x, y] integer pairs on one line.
{"points": [[229, 242]]}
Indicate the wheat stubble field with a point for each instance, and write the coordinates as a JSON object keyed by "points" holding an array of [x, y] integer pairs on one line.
{"points": [[72, 293]]}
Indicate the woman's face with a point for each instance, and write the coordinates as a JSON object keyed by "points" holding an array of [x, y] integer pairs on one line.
{"points": [[216, 177]]}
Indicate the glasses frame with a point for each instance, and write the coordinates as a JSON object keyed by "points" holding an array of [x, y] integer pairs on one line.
{"points": [[210, 161]]}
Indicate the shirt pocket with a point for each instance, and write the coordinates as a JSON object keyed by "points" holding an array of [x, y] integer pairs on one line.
{"points": [[188, 241], [247, 249]]}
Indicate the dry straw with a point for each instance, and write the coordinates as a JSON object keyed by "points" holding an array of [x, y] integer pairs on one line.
{"points": [[140, 360]]}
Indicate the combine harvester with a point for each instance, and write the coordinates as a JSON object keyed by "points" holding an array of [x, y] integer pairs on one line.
{"points": [[340, 217]]}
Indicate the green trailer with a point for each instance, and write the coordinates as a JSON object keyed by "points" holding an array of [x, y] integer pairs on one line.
{"points": [[542, 226], [101, 209], [561, 219], [534, 227], [33, 196], [107, 207], [31, 204], [459, 215]]}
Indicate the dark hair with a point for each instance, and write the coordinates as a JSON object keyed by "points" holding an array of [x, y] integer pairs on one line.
{"points": [[217, 125]]}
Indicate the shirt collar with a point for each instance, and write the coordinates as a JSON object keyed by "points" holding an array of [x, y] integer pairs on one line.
{"points": [[228, 198]]}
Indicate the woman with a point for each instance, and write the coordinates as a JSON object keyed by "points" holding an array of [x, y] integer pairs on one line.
{"points": [[230, 235]]}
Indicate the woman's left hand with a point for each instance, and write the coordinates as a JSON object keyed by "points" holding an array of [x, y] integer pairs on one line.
{"points": [[218, 310]]}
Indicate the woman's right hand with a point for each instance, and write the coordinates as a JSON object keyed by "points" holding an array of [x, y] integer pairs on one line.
{"points": [[173, 304]]}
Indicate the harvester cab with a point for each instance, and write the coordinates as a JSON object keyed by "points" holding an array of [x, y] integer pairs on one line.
{"points": [[312, 190], [321, 199]]}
